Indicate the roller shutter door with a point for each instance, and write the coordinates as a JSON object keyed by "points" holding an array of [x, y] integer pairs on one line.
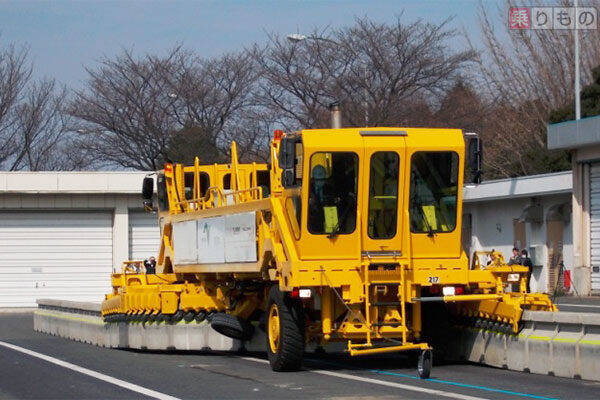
{"points": [[144, 235], [595, 224], [61, 255]]}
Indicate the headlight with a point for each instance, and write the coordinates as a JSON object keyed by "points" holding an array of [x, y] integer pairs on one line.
{"points": [[448, 291]]}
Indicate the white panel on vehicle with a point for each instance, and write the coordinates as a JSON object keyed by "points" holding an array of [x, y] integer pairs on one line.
{"points": [[240, 237], [184, 242], [211, 246]]}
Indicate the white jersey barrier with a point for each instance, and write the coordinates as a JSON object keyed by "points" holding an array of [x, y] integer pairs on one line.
{"points": [[563, 344]]}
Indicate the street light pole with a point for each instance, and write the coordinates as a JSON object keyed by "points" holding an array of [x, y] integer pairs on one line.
{"points": [[365, 104]]}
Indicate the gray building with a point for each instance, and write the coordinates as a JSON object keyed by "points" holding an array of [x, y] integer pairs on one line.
{"points": [[582, 139]]}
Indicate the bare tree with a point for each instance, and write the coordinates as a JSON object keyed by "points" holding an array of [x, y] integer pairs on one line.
{"points": [[33, 129], [524, 74], [125, 112], [140, 112], [213, 99], [383, 74]]}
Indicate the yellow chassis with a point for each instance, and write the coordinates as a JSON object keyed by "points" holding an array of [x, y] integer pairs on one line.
{"points": [[370, 298], [385, 327]]}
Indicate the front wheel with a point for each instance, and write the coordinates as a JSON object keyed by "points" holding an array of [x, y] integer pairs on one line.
{"points": [[285, 331], [424, 364]]}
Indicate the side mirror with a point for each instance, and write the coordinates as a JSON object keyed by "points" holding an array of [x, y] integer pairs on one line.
{"points": [[148, 188], [287, 160], [474, 156], [161, 192], [147, 193], [287, 152]]}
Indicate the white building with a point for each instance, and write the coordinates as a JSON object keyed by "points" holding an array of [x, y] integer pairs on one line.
{"points": [[530, 212], [61, 233]]}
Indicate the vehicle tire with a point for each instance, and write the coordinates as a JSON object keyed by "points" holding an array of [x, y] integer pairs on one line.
{"points": [[424, 364], [284, 331], [232, 326]]}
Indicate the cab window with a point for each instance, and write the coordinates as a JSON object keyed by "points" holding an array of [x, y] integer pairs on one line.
{"points": [[433, 192], [383, 195], [332, 193], [189, 184], [188, 179], [204, 183], [264, 179]]}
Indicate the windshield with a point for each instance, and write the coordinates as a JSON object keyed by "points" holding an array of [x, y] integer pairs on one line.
{"points": [[433, 192], [383, 195], [332, 197]]}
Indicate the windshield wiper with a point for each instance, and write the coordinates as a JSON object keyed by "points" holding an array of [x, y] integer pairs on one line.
{"points": [[338, 227], [334, 232], [430, 231]]}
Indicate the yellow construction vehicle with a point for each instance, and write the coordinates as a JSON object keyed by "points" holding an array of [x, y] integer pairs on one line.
{"points": [[346, 235]]}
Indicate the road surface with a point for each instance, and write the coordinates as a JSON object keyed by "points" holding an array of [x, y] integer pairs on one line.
{"points": [[40, 366]]}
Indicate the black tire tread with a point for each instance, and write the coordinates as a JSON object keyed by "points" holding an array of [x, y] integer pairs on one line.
{"points": [[234, 327], [291, 346]]}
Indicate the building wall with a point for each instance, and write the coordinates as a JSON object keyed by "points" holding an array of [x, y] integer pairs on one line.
{"points": [[582, 157], [493, 206], [492, 229], [118, 204], [48, 276]]}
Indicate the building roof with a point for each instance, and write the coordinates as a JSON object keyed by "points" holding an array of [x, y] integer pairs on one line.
{"points": [[122, 182], [573, 134], [523, 186]]}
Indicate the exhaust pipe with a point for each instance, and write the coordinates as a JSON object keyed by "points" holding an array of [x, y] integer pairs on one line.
{"points": [[336, 115]]}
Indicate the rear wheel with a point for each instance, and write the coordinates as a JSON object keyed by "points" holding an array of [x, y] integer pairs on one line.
{"points": [[285, 331]]}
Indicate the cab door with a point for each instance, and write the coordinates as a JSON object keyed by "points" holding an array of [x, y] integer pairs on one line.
{"points": [[331, 225], [382, 217]]}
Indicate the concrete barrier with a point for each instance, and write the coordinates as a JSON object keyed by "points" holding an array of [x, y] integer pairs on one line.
{"points": [[83, 322], [564, 344]]}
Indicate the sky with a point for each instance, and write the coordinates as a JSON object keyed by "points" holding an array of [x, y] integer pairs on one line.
{"points": [[66, 36]]}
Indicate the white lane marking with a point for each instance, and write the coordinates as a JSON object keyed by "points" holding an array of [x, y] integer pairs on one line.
{"points": [[93, 374], [382, 383], [576, 305], [260, 360]]}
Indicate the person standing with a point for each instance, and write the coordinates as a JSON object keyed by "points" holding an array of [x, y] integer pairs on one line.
{"points": [[526, 262], [150, 265], [516, 257]]}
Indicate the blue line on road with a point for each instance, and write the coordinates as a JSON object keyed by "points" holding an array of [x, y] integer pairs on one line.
{"points": [[466, 385], [489, 389]]}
